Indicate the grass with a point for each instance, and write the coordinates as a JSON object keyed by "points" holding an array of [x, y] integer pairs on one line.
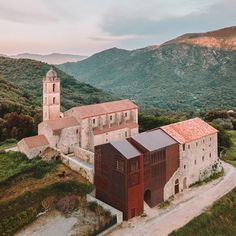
{"points": [[230, 154], [12, 164], [208, 179], [7, 144], [218, 220]]}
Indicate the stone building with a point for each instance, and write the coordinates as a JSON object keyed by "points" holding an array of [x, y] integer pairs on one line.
{"points": [[83, 126], [174, 157], [33, 146]]}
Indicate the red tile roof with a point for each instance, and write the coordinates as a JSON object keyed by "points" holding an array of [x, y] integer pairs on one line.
{"points": [[103, 108], [36, 141], [189, 130], [62, 123]]}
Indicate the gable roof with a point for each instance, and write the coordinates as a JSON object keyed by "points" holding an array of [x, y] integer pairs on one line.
{"points": [[126, 149], [36, 141], [62, 123], [189, 130], [103, 108], [154, 140]]}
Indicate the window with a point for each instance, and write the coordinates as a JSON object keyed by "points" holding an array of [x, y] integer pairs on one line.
{"points": [[126, 134], [120, 166], [126, 114], [203, 140], [134, 166], [210, 155], [195, 162], [184, 166], [196, 144], [94, 121], [45, 115], [210, 139], [110, 118], [53, 87], [183, 147], [189, 146], [202, 158], [77, 131], [54, 100]]}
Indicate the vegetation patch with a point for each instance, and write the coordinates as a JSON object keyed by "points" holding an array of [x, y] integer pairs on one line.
{"points": [[13, 164], [7, 144], [219, 219], [11, 211], [166, 203], [229, 155], [212, 177]]}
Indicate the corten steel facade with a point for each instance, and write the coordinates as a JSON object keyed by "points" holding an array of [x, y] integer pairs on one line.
{"points": [[161, 160], [119, 179]]}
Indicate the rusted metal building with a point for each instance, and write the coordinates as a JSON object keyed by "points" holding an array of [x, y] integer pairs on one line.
{"points": [[161, 160], [119, 177]]}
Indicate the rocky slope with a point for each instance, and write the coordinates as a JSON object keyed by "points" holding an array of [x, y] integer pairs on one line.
{"points": [[174, 76], [222, 39]]}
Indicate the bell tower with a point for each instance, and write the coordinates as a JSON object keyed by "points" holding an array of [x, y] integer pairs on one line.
{"points": [[51, 96]]}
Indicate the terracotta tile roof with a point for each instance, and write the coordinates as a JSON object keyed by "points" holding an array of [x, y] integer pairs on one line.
{"points": [[36, 141], [103, 108], [114, 127], [189, 130], [62, 123]]}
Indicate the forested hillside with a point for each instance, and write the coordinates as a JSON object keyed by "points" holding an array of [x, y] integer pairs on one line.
{"points": [[174, 76], [21, 95]]}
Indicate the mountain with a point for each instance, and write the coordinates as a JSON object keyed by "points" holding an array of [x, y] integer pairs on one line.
{"points": [[223, 39], [26, 76], [54, 58], [177, 76]]}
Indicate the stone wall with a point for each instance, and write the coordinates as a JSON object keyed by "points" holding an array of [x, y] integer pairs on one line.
{"points": [[83, 168], [114, 211], [84, 154]]}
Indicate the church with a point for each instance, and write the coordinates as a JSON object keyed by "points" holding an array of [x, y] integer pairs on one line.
{"points": [[83, 126]]}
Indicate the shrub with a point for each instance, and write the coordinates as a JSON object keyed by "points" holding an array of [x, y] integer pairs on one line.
{"points": [[67, 204], [9, 225]]}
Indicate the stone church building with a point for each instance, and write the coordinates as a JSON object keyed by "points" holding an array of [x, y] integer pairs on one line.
{"points": [[83, 126]]}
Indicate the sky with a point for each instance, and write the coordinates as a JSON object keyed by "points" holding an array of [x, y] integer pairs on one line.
{"points": [[87, 26]]}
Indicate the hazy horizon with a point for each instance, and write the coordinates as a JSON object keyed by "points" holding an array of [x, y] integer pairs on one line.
{"points": [[75, 27]]}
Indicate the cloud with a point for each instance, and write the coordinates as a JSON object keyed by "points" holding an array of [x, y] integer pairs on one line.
{"points": [[25, 11], [215, 16]]}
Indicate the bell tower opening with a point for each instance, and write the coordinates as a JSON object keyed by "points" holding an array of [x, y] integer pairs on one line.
{"points": [[51, 96]]}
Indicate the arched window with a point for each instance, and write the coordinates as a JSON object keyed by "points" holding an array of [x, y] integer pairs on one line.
{"points": [[54, 100], [53, 87]]}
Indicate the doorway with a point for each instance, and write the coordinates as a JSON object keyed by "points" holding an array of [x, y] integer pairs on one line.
{"points": [[147, 196], [176, 186]]}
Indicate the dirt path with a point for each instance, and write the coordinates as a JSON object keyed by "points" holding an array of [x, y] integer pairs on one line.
{"points": [[185, 207]]}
